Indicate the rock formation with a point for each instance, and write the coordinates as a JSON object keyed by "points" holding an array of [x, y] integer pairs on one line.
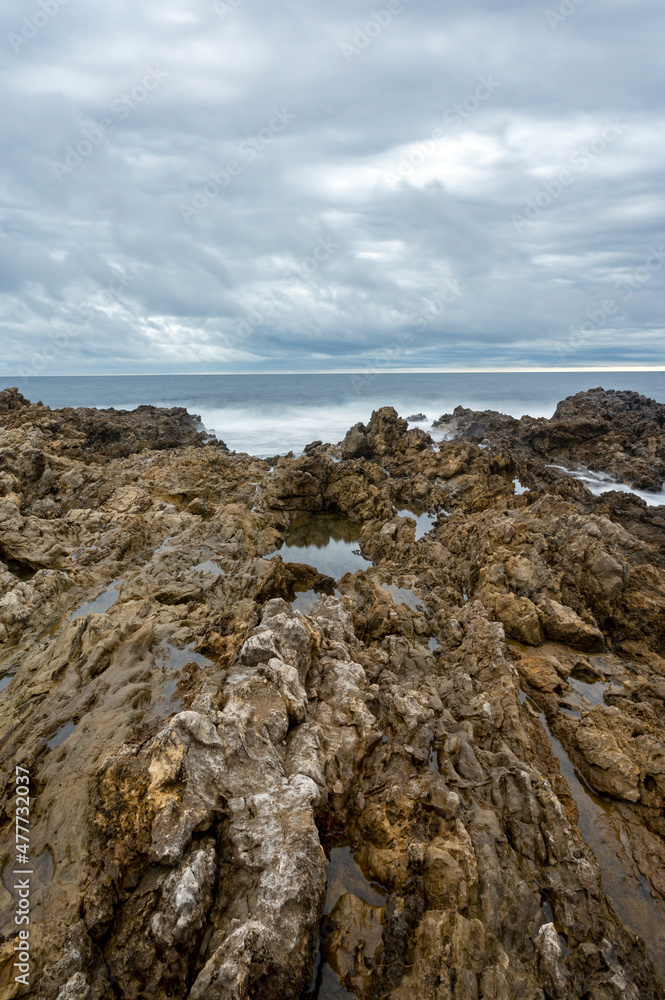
{"points": [[618, 432], [473, 724]]}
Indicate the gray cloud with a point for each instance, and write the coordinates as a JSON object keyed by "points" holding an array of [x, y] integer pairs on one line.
{"points": [[238, 186]]}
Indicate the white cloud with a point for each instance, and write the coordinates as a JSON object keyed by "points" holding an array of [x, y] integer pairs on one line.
{"points": [[329, 175]]}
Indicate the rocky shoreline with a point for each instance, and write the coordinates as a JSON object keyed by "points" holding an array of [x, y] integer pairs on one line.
{"points": [[439, 776]]}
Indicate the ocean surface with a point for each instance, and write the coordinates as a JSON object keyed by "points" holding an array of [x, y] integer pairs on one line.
{"points": [[267, 415]]}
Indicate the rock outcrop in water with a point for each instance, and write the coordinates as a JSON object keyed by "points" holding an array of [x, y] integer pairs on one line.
{"points": [[444, 779], [618, 432]]}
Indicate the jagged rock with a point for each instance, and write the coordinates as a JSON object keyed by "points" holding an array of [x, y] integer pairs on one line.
{"points": [[563, 625], [201, 755], [12, 399], [520, 618], [386, 434], [612, 431]]}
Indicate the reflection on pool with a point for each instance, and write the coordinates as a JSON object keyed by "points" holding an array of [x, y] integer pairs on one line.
{"points": [[100, 604], [176, 658], [306, 599], [519, 489], [210, 566], [20, 570], [351, 930], [403, 595], [170, 660], [424, 521], [61, 734], [604, 830], [329, 542], [592, 692]]}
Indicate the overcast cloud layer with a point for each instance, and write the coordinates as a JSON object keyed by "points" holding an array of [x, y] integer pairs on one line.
{"points": [[242, 185]]}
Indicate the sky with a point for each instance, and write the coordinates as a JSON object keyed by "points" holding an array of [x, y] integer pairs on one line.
{"points": [[240, 185]]}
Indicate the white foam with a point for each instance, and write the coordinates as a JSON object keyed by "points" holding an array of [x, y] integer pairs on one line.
{"points": [[271, 431], [601, 482], [265, 428]]}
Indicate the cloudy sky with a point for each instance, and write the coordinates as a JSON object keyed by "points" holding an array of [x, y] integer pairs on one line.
{"points": [[238, 185]]}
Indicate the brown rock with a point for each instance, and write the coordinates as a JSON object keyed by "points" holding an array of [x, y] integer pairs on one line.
{"points": [[562, 624], [520, 618], [197, 749]]}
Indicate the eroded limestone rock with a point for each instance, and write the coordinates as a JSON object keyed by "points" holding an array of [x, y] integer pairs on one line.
{"points": [[197, 747]]}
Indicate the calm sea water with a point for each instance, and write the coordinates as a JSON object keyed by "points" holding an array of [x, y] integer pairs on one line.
{"points": [[272, 414]]}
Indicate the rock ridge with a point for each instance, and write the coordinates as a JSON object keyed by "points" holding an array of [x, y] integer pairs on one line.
{"points": [[440, 777]]}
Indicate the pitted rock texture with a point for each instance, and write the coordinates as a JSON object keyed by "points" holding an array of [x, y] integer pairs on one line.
{"points": [[197, 747], [615, 431]]}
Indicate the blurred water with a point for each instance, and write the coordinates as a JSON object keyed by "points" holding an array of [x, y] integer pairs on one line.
{"points": [[600, 482], [272, 414]]}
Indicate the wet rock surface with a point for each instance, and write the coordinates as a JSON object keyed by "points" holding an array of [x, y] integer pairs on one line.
{"points": [[443, 779], [615, 431]]}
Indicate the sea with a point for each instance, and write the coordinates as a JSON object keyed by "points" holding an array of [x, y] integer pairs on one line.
{"points": [[266, 415]]}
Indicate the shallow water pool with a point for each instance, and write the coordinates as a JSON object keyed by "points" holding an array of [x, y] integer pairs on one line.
{"points": [[606, 833], [101, 603], [351, 929], [329, 542], [424, 521]]}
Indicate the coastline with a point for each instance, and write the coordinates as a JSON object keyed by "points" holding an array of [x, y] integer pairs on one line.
{"points": [[197, 745], [265, 415]]}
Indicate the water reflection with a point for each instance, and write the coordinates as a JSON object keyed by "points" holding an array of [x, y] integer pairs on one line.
{"points": [[602, 826], [100, 604], [20, 570], [61, 734], [403, 595], [592, 692], [329, 542], [351, 930], [210, 566], [170, 660], [424, 521], [305, 600], [518, 488]]}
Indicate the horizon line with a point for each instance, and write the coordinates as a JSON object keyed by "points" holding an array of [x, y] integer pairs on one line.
{"points": [[357, 371]]}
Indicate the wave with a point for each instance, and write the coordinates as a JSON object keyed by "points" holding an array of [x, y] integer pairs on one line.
{"points": [[601, 482], [273, 430]]}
